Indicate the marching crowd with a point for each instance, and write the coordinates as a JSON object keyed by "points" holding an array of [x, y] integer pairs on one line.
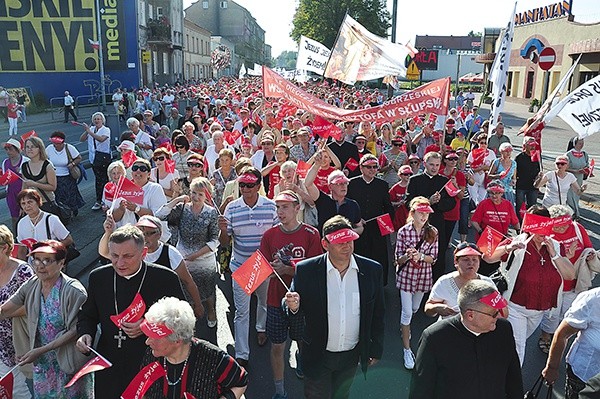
{"points": [[337, 218]]}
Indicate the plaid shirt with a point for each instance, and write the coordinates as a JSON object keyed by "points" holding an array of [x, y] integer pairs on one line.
{"points": [[416, 276]]}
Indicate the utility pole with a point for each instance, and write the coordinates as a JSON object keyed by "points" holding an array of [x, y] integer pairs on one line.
{"points": [[100, 57]]}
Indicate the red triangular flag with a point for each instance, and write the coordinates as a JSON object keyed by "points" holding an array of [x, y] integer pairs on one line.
{"points": [[351, 164], [109, 191], [489, 240], [251, 274], [478, 157], [6, 386], [29, 134], [130, 191], [128, 158], [302, 168], [8, 177], [385, 224], [96, 364], [504, 173], [417, 120], [323, 128], [143, 380], [451, 189], [537, 224], [169, 165], [133, 313]]}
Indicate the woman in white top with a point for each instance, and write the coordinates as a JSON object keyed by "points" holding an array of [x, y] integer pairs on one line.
{"points": [[67, 191], [167, 179], [443, 299], [558, 182], [38, 225], [98, 139]]}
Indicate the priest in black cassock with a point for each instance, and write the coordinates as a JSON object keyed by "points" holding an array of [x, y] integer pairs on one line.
{"points": [[471, 355], [372, 195], [112, 291], [430, 184]]}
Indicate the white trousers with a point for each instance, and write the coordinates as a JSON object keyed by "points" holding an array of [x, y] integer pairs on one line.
{"points": [[477, 191], [524, 322], [551, 319], [410, 305], [20, 390], [241, 320], [12, 126]]}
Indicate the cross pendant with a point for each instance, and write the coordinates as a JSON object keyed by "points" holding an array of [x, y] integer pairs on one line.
{"points": [[542, 261], [120, 337]]}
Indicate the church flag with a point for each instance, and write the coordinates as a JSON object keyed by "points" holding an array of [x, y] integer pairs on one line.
{"points": [[312, 56], [8, 177], [323, 128], [251, 274], [143, 380], [489, 240], [384, 222], [133, 313], [302, 169], [537, 224], [6, 386], [169, 166], [451, 189], [580, 108], [478, 157], [96, 364], [351, 164], [128, 158], [129, 191], [109, 191]]}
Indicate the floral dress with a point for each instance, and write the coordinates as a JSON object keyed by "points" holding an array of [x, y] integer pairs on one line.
{"points": [[220, 182], [48, 379], [509, 192]]}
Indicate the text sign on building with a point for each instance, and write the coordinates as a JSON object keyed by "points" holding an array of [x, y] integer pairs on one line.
{"points": [[53, 35], [427, 60], [543, 13]]}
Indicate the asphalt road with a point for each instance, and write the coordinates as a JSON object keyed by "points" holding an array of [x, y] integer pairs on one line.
{"points": [[388, 379]]}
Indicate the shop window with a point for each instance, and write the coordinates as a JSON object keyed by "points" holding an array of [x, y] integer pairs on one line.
{"points": [[529, 84], [509, 84], [585, 76]]}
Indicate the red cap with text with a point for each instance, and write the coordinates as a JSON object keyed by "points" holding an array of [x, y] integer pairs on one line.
{"points": [[496, 301], [155, 330], [342, 236], [425, 208]]}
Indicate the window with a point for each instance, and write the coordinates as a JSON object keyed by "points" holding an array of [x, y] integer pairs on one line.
{"points": [[159, 12], [224, 4], [205, 5]]}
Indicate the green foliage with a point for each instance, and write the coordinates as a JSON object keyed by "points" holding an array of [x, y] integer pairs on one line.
{"points": [[287, 60], [321, 20]]}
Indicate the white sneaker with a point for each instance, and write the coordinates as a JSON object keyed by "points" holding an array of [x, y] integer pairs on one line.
{"points": [[97, 206], [409, 359]]}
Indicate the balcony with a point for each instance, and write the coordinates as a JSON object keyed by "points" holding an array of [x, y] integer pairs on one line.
{"points": [[159, 31]]}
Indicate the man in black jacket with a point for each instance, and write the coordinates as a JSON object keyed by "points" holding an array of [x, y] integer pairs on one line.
{"points": [[338, 297]]}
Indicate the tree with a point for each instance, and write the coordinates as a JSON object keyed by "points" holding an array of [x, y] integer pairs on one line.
{"points": [[287, 60], [474, 34], [321, 20]]}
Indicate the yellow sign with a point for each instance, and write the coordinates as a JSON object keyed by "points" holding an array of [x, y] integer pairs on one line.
{"points": [[413, 73], [145, 57]]}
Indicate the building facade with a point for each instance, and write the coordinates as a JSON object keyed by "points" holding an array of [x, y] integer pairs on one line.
{"points": [[455, 55], [196, 51]]}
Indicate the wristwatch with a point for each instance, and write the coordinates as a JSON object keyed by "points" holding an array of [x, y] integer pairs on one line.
{"points": [[137, 209], [422, 258]]}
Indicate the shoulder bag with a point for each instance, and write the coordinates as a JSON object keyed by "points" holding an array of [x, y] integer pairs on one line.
{"points": [[72, 251], [74, 171], [534, 392], [499, 276]]}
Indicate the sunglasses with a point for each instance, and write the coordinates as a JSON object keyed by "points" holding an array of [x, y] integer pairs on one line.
{"points": [[397, 144], [179, 146], [493, 315], [194, 165], [414, 162], [561, 163], [141, 168], [464, 245], [405, 174], [370, 166], [248, 185], [452, 159], [483, 142], [161, 158]]}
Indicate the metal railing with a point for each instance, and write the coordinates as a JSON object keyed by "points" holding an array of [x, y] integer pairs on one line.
{"points": [[87, 101]]}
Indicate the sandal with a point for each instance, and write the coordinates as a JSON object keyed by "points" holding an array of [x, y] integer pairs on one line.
{"points": [[544, 345]]}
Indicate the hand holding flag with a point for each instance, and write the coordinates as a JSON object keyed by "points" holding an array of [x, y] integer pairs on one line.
{"points": [[253, 272], [6, 384], [9, 177]]}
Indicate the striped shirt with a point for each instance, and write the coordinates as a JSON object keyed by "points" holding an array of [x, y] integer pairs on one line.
{"points": [[247, 225]]}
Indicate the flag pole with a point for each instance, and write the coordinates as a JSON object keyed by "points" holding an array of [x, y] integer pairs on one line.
{"points": [[282, 282], [10, 371], [99, 355]]}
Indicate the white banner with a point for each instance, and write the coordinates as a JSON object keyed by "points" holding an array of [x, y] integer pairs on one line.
{"points": [[581, 108], [312, 55], [499, 71], [256, 71], [359, 55], [242, 71], [548, 111]]}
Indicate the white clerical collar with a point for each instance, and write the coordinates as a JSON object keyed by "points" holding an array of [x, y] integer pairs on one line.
{"points": [[469, 330], [134, 274], [428, 175], [365, 180]]}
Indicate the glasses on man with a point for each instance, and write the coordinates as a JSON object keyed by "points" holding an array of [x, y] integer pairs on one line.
{"points": [[405, 174], [194, 165], [397, 144], [161, 158], [464, 245], [248, 185], [370, 166], [40, 262], [141, 168], [492, 315]]}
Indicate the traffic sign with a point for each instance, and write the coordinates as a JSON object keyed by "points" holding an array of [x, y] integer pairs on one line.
{"points": [[547, 58], [145, 57], [412, 72]]}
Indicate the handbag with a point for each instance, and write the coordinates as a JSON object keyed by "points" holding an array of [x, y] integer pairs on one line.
{"points": [[72, 251], [534, 392], [64, 213], [499, 276], [75, 172]]}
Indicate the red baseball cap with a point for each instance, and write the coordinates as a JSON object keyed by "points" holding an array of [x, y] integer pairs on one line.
{"points": [[155, 330], [342, 236]]}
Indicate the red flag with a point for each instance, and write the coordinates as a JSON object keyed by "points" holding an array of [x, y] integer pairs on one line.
{"points": [[302, 168], [417, 120], [231, 137], [75, 123], [128, 158], [351, 164], [133, 313], [251, 274], [489, 240], [504, 173], [143, 380], [109, 191], [323, 128], [169, 165], [287, 110], [432, 118], [29, 134], [96, 364], [128, 190], [6, 386], [168, 146], [209, 198], [523, 210], [592, 165], [451, 189], [537, 224], [8, 177], [382, 160], [386, 226], [478, 157], [15, 251], [28, 242]]}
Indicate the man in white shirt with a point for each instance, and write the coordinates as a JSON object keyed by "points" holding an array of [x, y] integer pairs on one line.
{"points": [[4, 104], [338, 299], [69, 105]]}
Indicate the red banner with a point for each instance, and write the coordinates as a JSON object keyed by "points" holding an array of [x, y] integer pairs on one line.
{"points": [[133, 313], [128, 158], [351, 164], [96, 364], [386, 226], [143, 380], [302, 169], [6, 386], [129, 191], [432, 97], [251, 274], [489, 240], [8, 177], [29, 134], [537, 224]]}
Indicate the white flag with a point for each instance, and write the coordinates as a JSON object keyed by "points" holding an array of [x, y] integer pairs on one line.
{"points": [[499, 71], [242, 71], [581, 108], [312, 55], [359, 55], [547, 111]]}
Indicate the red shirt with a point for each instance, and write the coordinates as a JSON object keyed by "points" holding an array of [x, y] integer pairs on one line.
{"points": [[500, 217], [274, 178], [301, 244], [321, 179], [567, 239], [538, 282], [461, 181], [12, 111], [397, 194]]}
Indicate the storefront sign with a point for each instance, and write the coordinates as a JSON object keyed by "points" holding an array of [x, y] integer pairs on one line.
{"points": [[538, 14]]}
